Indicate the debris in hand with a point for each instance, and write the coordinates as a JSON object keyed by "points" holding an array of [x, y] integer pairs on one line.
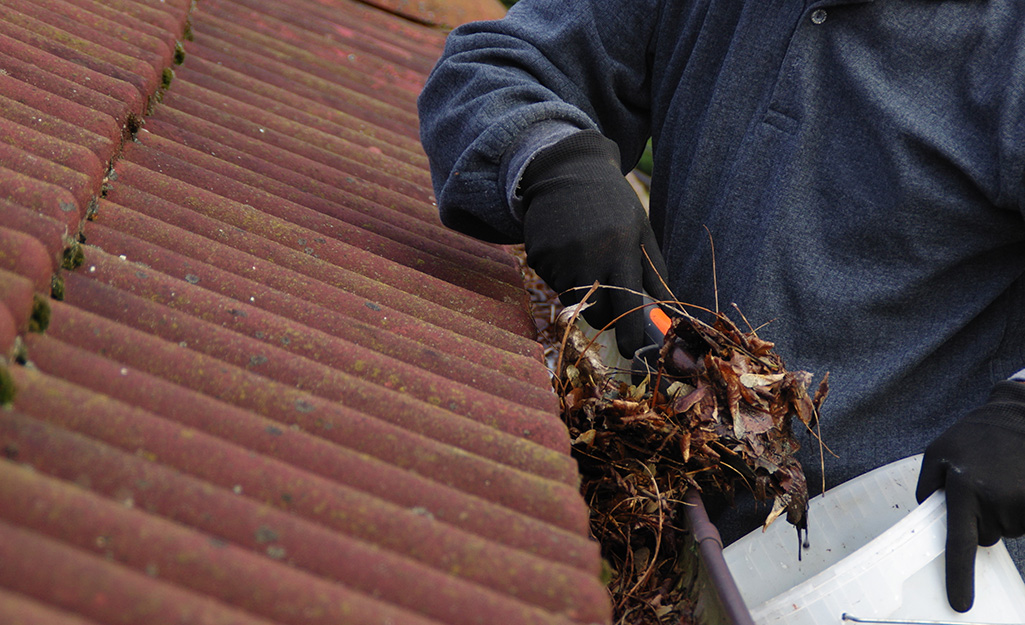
{"points": [[717, 415]]}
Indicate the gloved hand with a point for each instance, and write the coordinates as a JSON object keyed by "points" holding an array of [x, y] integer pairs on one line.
{"points": [[980, 462], [584, 223]]}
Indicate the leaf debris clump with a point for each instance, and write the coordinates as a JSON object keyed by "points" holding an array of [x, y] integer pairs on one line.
{"points": [[716, 414]]}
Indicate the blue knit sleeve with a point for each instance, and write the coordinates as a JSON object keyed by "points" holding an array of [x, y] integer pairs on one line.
{"points": [[582, 64]]}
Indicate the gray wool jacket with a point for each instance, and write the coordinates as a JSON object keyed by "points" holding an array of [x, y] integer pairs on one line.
{"points": [[859, 165]]}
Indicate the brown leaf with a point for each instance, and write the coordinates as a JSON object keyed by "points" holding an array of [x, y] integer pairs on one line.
{"points": [[686, 402], [758, 346], [684, 442], [759, 381], [754, 421], [821, 392]]}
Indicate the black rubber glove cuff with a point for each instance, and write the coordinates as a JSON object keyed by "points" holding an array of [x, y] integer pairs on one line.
{"points": [[585, 224], [1005, 407], [584, 157]]}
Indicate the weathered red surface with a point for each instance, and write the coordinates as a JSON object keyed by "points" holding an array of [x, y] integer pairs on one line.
{"points": [[443, 12], [273, 387], [25, 255], [46, 113], [330, 343], [17, 295]]}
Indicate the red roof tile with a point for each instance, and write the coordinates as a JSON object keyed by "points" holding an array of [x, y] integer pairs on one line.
{"points": [[443, 12], [271, 388], [59, 118], [17, 296]]}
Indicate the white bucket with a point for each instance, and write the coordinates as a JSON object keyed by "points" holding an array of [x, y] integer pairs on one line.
{"points": [[874, 554]]}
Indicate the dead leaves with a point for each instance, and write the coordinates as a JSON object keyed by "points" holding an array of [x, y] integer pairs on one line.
{"points": [[750, 401], [724, 421]]}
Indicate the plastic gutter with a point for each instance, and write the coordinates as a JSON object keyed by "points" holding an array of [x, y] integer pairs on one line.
{"points": [[729, 607]]}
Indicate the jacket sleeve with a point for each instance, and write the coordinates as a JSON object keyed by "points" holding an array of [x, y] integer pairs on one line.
{"points": [[501, 85]]}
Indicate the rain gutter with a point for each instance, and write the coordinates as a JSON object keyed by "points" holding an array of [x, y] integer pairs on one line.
{"points": [[729, 607]]}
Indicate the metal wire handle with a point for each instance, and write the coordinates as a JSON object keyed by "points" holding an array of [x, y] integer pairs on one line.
{"points": [[854, 619]]}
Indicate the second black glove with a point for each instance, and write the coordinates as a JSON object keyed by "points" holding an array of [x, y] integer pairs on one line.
{"points": [[980, 462]]}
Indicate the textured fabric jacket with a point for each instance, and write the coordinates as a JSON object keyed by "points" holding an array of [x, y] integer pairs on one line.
{"points": [[859, 166]]}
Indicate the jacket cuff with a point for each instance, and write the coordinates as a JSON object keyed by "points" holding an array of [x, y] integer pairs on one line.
{"points": [[1005, 407], [536, 138]]}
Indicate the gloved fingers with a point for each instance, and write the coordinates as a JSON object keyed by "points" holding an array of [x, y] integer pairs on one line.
{"points": [[613, 302], [630, 327], [571, 295], [650, 274], [962, 544], [931, 477], [599, 313], [989, 535], [656, 274], [572, 286], [997, 518]]}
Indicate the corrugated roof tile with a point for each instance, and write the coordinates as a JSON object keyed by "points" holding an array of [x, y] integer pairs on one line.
{"points": [[68, 81], [71, 47], [189, 559], [443, 12], [10, 326], [142, 448], [104, 591], [424, 481], [253, 163], [66, 153], [255, 392], [273, 103], [269, 386], [350, 345], [56, 19], [332, 310], [250, 256], [26, 256], [393, 388], [310, 548], [131, 18], [17, 293], [82, 186], [365, 59], [50, 233], [363, 106], [367, 171], [42, 111], [21, 610], [47, 199]]}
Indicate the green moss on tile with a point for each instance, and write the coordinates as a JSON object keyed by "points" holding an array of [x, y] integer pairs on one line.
{"points": [[40, 319], [74, 256], [166, 77], [7, 390], [179, 53], [57, 287]]}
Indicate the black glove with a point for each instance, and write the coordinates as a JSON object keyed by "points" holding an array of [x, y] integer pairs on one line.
{"points": [[980, 462], [584, 223]]}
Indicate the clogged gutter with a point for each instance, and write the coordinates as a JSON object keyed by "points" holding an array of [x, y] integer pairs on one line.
{"points": [[722, 420]]}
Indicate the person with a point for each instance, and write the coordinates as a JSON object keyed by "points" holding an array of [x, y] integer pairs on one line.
{"points": [[857, 166]]}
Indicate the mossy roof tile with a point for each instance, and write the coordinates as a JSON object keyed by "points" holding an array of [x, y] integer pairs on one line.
{"points": [[250, 376]]}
